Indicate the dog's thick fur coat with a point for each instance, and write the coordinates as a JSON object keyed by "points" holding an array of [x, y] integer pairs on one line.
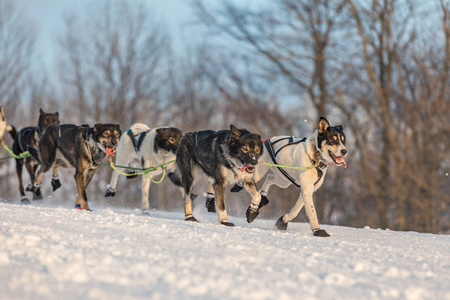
{"points": [[326, 146], [225, 157], [81, 147], [146, 147], [27, 139]]}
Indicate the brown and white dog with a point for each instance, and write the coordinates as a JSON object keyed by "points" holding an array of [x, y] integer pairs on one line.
{"points": [[323, 148]]}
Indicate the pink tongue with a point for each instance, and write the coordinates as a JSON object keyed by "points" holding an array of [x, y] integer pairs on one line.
{"points": [[243, 168], [342, 161], [110, 151]]}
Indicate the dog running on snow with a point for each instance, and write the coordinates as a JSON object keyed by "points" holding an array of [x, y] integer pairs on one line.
{"points": [[145, 147], [80, 147], [323, 148], [225, 156]]}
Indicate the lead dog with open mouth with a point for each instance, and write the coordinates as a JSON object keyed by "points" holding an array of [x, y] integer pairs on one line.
{"points": [[323, 148], [225, 157]]}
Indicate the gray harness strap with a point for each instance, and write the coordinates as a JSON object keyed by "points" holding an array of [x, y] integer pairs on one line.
{"points": [[137, 144], [269, 147]]}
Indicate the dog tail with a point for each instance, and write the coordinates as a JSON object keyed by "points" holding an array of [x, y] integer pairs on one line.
{"points": [[12, 131], [139, 128]]}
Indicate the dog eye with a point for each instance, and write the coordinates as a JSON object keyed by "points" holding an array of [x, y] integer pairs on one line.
{"points": [[257, 150], [245, 149], [171, 140]]}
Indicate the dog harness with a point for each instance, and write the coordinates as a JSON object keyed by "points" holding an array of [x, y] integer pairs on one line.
{"points": [[318, 165], [137, 144]]}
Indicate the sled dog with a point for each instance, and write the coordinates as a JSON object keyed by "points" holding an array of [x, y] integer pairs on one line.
{"points": [[27, 139], [323, 148], [144, 147], [80, 147], [225, 156]]}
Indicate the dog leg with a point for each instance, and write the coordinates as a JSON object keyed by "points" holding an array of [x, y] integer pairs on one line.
{"points": [[145, 191], [19, 169], [81, 197], [30, 165], [56, 184], [188, 216], [253, 210], [283, 221], [210, 200], [220, 198]]}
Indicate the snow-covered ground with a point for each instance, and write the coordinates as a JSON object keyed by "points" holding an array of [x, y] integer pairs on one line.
{"points": [[59, 253]]}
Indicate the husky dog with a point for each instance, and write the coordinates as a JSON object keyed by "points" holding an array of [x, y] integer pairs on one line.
{"points": [[225, 156], [3, 128], [323, 148], [81, 147], [144, 148], [27, 139]]}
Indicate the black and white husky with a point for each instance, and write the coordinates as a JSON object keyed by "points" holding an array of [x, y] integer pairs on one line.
{"points": [[226, 156], [323, 148], [144, 147]]}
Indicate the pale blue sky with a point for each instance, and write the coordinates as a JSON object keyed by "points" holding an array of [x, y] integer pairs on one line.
{"points": [[48, 17]]}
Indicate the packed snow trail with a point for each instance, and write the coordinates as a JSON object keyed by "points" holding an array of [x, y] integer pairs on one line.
{"points": [[59, 253]]}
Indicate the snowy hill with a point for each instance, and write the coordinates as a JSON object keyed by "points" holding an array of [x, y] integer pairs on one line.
{"points": [[59, 253]]}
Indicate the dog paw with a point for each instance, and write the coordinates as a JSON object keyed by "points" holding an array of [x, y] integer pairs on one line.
{"points": [[29, 188], [146, 212], [191, 219], [25, 201], [37, 195], [320, 232], [227, 223], [281, 225], [193, 196], [77, 206], [251, 213], [211, 205], [56, 184], [110, 192], [236, 188]]}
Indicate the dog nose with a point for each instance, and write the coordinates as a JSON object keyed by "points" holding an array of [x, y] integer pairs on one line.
{"points": [[344, 151]]}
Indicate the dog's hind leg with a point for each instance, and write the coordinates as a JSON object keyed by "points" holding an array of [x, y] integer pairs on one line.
{"points": [[145, 190], [19, 170], [210, 200], [220, 198], [80, 179], [31, 166], [56, 184]]}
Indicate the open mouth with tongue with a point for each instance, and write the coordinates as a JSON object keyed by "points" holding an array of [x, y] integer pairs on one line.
{"points": [[110, 151], [338, 160], [248, 168]]}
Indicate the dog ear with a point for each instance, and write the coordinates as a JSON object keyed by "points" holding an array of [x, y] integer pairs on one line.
{"points": [[41, 111], [235, 131], [323, 125], [97, 127], [57, 114], [339, 127], [1, 109]]}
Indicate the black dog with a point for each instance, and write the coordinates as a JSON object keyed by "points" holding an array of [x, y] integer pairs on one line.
{"points": [[81, 147], [225, 157], [27, 139]]}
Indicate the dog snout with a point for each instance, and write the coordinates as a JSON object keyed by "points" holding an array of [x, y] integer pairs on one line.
{"points": [[344, 152]]}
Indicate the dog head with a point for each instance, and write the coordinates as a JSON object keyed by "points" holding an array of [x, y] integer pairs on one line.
{"points": [[168, 139], [246, 147], [331, 142], [46, 119], [108, 136]]}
